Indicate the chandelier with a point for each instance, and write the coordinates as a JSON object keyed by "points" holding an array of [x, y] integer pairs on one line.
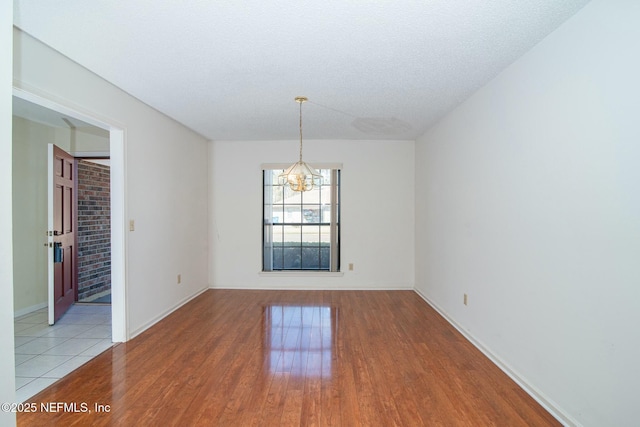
{"points": [[300, 176]]}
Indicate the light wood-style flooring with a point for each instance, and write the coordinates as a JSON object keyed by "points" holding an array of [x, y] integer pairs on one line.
{"points": [[289, 358]]}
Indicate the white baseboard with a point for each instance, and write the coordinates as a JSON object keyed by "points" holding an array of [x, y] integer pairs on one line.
{"points": [[164, 314], [28, 310], [532, 391], [313, 288]]}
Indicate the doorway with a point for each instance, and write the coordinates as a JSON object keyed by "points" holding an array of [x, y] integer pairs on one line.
{"points": [[42, 108]]}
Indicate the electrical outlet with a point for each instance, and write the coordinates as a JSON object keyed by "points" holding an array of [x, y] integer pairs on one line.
{"points": [[179, 278], [350, 266], [132, 225], [465, 299]]}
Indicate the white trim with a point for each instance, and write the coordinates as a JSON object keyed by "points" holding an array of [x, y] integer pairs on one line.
{"points": [[50, 266], [297, 287], [166, 313], [47, 100], [531, 390], [119, 272], [334, 247], [302, 273], [270, 166]]}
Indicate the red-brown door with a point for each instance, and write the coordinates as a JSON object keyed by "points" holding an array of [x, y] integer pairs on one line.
{"points": [[63, 233]]}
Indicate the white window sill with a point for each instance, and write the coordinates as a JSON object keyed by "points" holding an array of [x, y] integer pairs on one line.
{"points": [[301, 273]]}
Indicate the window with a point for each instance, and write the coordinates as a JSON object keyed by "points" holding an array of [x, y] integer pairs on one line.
{"points": [[301, 230]]}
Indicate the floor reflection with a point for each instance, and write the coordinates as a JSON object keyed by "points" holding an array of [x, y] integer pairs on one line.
{"points": [[299, 340]]}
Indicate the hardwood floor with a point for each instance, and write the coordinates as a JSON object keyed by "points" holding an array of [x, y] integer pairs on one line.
{"points": [[285, 358]]}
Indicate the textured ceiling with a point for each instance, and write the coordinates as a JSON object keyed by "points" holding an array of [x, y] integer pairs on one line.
{"points": [[230, 69]]}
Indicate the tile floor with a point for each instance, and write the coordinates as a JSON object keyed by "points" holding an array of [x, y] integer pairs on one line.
{"points": [[44, 353]]}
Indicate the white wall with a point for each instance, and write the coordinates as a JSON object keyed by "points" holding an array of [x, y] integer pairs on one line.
{"points": [[87, 140], [377, 211], [166, 180], [7, 367], [527, 199]]}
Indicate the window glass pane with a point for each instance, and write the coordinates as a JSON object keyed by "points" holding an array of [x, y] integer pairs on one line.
{"points": [[292, 235], [290, 196], [292, 259], [278, 263], [273, 214], [310, 234], [325, 258], [325, 234], [311, 196], [311, 258], [292, 214], [277, 194], [326, 214], [325, 197], [311, 214], [274, 175], [276, 234], [326, 176]]}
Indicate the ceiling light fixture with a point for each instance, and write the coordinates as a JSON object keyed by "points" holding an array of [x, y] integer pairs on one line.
{"points": [[300, 176]]}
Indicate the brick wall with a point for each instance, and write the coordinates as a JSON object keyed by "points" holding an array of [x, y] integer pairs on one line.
{"points": [[94, 229]]}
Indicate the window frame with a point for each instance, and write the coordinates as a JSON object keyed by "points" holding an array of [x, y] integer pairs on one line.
{"points": [[334, 224]]}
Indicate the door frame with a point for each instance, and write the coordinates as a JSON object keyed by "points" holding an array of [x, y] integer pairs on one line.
{"points": [[119, 309]]}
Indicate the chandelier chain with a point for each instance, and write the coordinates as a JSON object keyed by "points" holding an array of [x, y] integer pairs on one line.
{"points": [[300, 102]]}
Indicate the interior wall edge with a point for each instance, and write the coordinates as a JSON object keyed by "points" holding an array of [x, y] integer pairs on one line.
{"points": [[7, 338]]}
